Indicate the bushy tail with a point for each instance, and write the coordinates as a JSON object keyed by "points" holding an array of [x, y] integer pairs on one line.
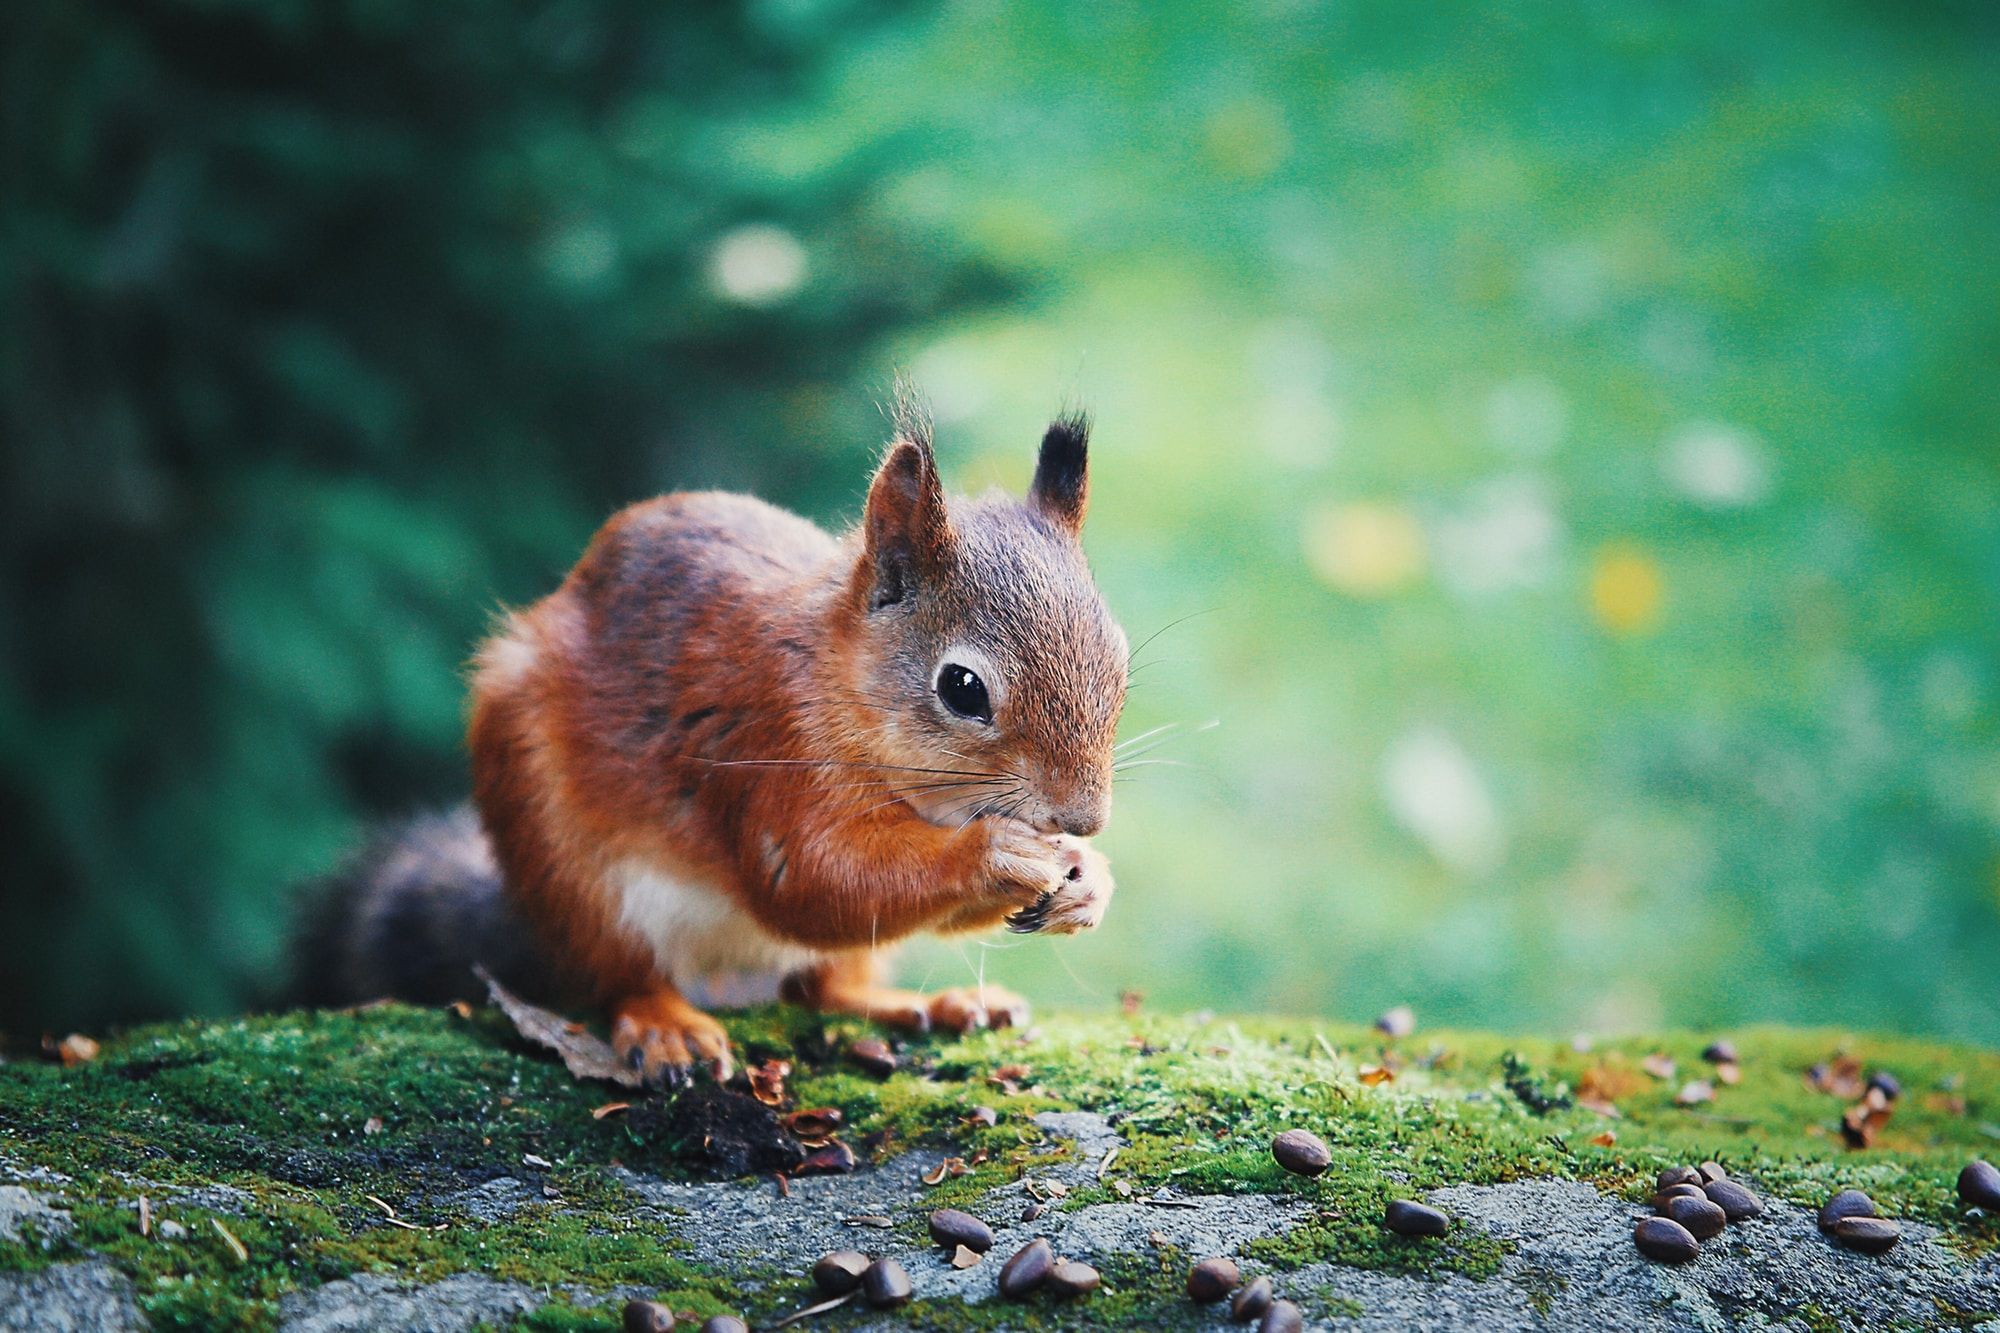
{"points": [[406, 919]]}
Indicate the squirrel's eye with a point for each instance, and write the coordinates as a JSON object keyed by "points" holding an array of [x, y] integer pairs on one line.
{"points": [[964, 692]]}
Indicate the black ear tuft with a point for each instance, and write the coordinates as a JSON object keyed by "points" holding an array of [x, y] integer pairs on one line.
{"points": [[1062, 476]]}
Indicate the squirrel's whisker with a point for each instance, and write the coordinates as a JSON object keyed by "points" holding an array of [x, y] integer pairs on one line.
{"points": [[1141, 645], [831, 763], [1130, 741]]}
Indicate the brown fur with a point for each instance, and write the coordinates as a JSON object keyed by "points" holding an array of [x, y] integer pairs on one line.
{"points": [[726, 695]]}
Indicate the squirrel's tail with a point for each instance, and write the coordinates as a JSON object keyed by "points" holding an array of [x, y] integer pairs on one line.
{"points": [[407, 917]]}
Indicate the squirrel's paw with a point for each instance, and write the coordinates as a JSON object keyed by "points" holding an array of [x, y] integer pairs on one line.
{"points": [[1078, 903], [969, 1008], [662, 1037], [1024, 867]]}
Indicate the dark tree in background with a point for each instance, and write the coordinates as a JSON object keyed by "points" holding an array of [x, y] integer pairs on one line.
{"points": [[325, 329]]}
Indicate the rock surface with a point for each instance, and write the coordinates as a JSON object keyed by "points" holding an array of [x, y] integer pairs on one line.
{"points": [[68, 1298], [379, 1304]]}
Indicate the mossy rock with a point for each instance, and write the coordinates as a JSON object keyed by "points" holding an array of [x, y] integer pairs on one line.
{"points": [[394, 1154]]}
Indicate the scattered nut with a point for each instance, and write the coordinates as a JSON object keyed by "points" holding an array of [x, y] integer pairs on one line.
{"points": [[1251, 1300], [874, 1056], [1301, 1152], [886, 1284], [1028, 1269], [1703, 1219], [1071, 1278], [1211, 1280], [1282, 1317], [647, 1317], [840, 1272], [1735, 1201], [1847, 1203], [1870, 1235], [1676, 1192], [1664, 1239], [724, 1323], [951, 1227], [1406, 1217], [1979, 1184]]}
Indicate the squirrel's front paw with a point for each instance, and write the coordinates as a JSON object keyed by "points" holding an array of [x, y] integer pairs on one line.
{"points": [[1078, 902], [1024, 867], [663, 1037]]}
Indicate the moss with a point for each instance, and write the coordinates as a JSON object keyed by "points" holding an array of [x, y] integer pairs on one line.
{"points": [[323, 1120]]}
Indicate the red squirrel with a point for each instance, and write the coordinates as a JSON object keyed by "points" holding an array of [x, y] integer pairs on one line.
{"points": [[730, 742]]}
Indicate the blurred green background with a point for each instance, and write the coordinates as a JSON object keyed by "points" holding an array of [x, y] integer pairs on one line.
{"points": [[1555, 440]]}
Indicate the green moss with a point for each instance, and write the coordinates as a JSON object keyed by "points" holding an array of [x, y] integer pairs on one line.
{"points": [[321, 1119]]}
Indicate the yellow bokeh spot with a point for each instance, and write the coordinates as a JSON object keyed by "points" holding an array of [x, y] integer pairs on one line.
{"points": [[1365, 549], [1626, 590]]}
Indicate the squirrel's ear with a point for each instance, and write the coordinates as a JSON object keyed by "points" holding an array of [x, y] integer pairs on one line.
{"points": [[907, 529], [1062, 477]]}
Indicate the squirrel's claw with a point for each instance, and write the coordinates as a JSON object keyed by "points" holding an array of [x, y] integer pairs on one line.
{"points": [[666, 1052], [1032, 917]]}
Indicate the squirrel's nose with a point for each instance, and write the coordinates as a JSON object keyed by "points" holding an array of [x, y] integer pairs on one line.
{"points": [[1083, 819]]}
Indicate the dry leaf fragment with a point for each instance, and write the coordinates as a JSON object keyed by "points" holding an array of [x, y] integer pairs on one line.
{"points": [[1008, 1078], [461, 1008], [964, 1258], [1729, 1073], [1864, 1120], [372, 1126], [1122, 1188], [950, 1166], [610, 1108], [832, 1304], [229, 1239], [1371, 1075], [1839, 1077], [1695, 1092], [814, 1125], [1659, 1066], [583, 1054], [875, 1220], [1130, 1000], [835, 1158], [145, 1216], [874, 1056], [982, 1117], [1605, 1139], [767, 1081]]}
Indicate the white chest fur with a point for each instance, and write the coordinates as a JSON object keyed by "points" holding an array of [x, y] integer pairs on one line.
{"points": [[702, 940]]}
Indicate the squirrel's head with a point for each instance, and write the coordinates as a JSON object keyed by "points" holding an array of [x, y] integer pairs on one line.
{"points": [[990, 674]]}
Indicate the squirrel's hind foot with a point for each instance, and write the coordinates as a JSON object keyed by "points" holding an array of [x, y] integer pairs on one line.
{"points": [[962, 1009]]}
